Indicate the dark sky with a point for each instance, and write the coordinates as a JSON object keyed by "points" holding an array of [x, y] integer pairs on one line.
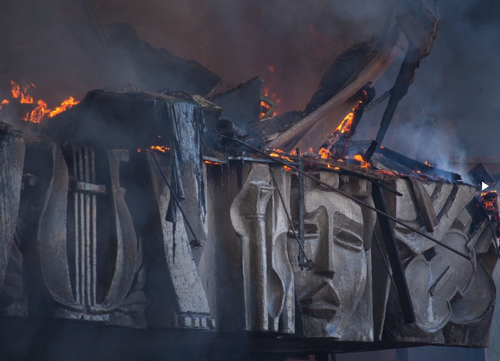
{"points": [[290, 44]]}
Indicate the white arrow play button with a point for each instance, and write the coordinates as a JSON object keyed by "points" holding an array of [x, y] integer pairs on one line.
{"points": [[484, 186]]}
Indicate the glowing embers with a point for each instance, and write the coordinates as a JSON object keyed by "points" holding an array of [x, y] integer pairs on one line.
{"points": [[41, 111], [209, 162], [269, 104], [278, 153], [155, 149], [490, 203]]}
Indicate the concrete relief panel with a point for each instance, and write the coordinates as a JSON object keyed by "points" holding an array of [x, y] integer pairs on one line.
{"points": [[441, 283], [181, 300], [82, 258], [327, 296], [258, 215]]}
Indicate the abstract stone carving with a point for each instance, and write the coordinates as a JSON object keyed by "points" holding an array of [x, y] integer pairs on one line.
{"points": [[443, 286]]}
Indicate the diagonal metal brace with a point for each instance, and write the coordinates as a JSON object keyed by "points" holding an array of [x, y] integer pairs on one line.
{"points": [[394, 256]]}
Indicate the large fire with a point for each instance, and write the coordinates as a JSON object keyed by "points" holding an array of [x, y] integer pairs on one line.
{"points": [[41, 110]]}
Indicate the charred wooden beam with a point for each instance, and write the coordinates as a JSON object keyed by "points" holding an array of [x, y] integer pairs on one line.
{"points": [[228, 128], [403, 81], [313, 130], [340, 138], [425, 206], [368, 95]]}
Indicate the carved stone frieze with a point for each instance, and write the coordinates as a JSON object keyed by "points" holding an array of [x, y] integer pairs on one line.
{"points": [[446, 289], [153, 240], [328, 296]]}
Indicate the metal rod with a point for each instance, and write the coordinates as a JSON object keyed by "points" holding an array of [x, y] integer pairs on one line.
{"points": [[403, 81], [290, 222], [386, 263], [88, 236], [361, 203], [301, 201], [94, 229], [175, 198], [391, 246], [77, 234], [377, 101]]}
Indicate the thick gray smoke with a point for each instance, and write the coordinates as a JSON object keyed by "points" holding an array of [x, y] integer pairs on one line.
{"points": [[290, 44], [458, 83]]}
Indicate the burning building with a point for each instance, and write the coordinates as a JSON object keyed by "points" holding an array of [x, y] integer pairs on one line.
{"points": [[221, 226]]}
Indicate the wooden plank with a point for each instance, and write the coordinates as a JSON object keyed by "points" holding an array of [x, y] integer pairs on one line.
{"points": [[424, 205], [319, 125]]}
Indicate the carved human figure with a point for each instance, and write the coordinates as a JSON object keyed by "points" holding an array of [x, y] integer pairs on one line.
{"points": [[329, 295]]}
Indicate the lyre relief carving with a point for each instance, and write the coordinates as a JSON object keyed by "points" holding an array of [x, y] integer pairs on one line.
{"points": [[84, 253]]}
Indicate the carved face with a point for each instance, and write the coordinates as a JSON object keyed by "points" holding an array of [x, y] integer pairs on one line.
{"points": [[328, 295]]}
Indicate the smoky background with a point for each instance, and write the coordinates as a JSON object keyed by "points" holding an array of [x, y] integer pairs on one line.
{"points": [[452, 108]]}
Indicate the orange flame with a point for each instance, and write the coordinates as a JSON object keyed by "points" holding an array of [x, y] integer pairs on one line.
{"points": [[346, 124], [490, 203], [16, 92], [65, 105], [4, 102], [364, 164], [160, 148], [41, 110], [15, 89], [278, 153], [38, 113], [325, 153]]}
